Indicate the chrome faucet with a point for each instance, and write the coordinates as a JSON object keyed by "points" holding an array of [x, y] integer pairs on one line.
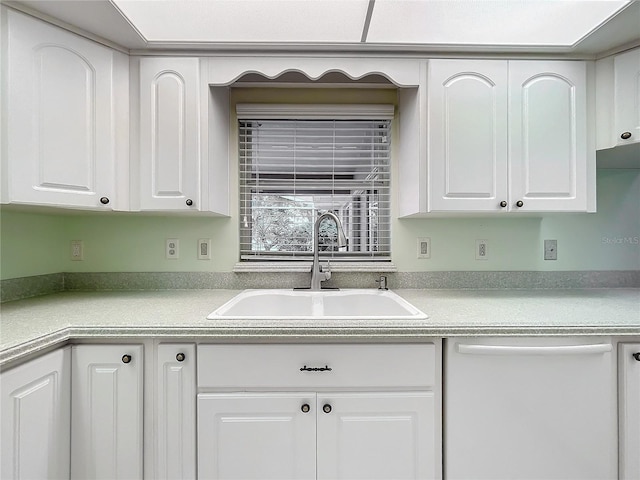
{"points": [[318, 275]]}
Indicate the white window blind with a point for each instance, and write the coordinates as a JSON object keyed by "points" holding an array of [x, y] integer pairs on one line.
{"points": [[296, 162]]}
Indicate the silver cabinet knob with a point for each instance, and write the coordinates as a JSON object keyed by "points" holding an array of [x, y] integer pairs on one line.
{"points": [[625, 135], [189, 202], [305, 408], [180, 357], [104, 200], [326, 408], [503, 203], [636, 356], [519, 203], [126, 358]]}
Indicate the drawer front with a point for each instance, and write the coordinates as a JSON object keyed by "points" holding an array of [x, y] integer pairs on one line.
{"points": [[317, 366]]}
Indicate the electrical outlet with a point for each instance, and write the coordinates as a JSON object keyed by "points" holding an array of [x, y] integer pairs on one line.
{"points": [[172, 248], [424, 247], [550, 249], [77, 250], [204, 249], [482, 250]]}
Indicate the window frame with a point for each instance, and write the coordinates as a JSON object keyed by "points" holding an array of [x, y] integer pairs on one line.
{"points": [[350, 112]]}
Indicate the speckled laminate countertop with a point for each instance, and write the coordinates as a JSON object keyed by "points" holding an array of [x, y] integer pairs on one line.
{"points": [[28, 326]]}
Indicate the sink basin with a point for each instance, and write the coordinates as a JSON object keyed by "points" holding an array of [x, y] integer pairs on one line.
{"points": [[327, 304]]}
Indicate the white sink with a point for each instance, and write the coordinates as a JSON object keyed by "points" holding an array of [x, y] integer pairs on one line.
{"points": [[325, 304]]}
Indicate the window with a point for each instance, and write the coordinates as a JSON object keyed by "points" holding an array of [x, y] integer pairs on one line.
{"points": [[296, 162]]}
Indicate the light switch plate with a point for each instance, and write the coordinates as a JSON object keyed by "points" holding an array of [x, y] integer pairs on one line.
{"points": [[550, 249], [204, 249], [424, 247]]}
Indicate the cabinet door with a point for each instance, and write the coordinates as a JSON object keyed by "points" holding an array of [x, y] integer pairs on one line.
{"points": [[175, 418], [61, 140], [537, 409], [377, 436], [629, 421], [467, 104], [106, 422], [36, 400], [257, 436], [547, 136], [627, 97], [169, 134]]}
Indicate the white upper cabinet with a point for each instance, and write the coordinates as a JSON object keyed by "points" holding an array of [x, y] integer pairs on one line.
{"points": [[548, 158], [627, 97], [67, 129], [502, 136], [467, 134], [170, 160], [618, 99]]}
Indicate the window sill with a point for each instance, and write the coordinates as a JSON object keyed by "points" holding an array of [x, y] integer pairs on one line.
{"points": [[305, 267]]}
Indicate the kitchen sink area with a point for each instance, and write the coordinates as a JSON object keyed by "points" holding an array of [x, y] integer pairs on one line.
{"points": [[327, 304], [320, 240]]}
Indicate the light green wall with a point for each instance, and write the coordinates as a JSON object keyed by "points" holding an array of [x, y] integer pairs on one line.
{"points": [[35, 244], [136, 243], [32, 244]]}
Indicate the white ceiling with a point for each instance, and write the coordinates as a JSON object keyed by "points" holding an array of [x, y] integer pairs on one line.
{"points": [[558, 26]]}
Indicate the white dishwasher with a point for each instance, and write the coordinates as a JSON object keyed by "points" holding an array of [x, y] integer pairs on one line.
{"points": [[530, 408]]}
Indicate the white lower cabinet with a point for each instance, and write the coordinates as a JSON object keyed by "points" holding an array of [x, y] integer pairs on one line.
{"points": [[175, 412], [256, 436], [106, 423], [629, 410], [382, 435], [530, 408], [35, 400], [328, 414], [526, 408]]}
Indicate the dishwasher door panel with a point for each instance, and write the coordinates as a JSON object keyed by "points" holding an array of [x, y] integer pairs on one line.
{"points": [[530, 408]]}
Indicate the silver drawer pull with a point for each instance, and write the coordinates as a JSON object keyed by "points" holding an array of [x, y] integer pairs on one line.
{"points": [[326, 368]]}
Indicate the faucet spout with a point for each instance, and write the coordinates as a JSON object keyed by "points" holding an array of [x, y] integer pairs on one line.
{"points": [[318, 275]]}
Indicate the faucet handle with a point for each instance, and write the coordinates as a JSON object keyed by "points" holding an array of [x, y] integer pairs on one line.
{"points": [[327, 272], [382, 283]]}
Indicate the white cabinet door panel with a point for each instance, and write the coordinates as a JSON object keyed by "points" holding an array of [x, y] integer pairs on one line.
{"points": [[175, 416], [629, 409], [169, 133], [259, 436], [61, 136], [627, 97], [548, 156], [377, 436], [468, 134], [106, 424], [36, 401]]}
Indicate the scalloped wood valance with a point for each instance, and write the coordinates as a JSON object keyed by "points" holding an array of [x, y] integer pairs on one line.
{"points": [[224, 71]]}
